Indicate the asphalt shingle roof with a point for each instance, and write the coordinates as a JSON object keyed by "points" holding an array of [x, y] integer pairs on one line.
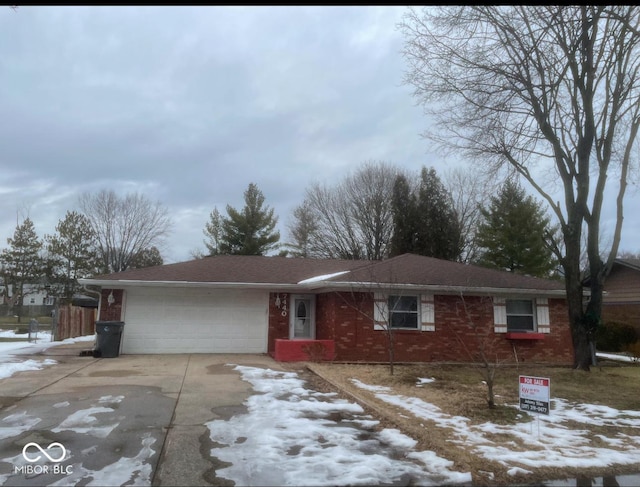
{"points": [[407, 269]]}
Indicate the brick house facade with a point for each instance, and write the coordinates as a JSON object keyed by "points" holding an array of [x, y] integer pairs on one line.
{"points": [[463, 328], [342, 310]]}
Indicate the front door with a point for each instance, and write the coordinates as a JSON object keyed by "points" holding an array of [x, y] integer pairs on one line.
{"points": [[302, 317]]}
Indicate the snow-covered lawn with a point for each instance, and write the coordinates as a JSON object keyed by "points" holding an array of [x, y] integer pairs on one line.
{"points": [[293, 435], [11, 353], [548, 441], [304, 438]]}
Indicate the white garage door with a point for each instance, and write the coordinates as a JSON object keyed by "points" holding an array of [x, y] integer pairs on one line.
{"points": [[192, 320]]}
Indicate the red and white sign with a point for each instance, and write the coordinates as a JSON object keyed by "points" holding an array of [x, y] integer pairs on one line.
{"points": [[534, 394]]}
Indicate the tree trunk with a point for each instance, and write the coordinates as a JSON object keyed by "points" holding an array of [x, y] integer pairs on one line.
{"points": [[391, 348], [573, 286]]}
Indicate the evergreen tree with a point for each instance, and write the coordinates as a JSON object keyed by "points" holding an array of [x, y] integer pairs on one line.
{"points": [[512, 235], [250, 231], [403, 207], [71, 252], [22, 263], [425, 221], [438, 225]]}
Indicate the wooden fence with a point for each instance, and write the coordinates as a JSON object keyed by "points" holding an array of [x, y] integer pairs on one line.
{"points": [[74, 321]]}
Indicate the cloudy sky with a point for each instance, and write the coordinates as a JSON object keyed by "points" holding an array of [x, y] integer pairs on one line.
{"points": [[188, 105]]}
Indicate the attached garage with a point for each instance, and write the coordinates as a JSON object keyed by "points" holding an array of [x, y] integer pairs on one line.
{"points": [[194, 320], [336, 310]]}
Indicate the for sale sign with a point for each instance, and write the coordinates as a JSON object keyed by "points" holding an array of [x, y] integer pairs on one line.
{"points": [[534, 394]]}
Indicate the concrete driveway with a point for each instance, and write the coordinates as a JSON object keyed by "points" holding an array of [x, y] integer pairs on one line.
{"points": [[157, 406]]}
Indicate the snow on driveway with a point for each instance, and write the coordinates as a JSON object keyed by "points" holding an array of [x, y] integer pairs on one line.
{"points": [[546, 441], [11, 360], [292, 435]]}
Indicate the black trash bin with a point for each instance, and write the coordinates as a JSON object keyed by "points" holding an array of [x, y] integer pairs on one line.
{"points": [[108, 338]]}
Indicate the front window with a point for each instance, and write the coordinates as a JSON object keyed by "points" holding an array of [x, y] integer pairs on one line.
{"points": [[520, 315], [403, 312]]}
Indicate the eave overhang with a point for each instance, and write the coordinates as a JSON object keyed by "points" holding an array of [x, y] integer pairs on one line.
{"points": [[326, 286]]}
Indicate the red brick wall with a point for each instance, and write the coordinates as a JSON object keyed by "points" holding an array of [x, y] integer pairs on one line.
{"points": [[113, 311], [464, 330], [278, 320]]}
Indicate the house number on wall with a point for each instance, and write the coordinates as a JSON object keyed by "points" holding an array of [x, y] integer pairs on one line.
{"points": [[282, 303]]}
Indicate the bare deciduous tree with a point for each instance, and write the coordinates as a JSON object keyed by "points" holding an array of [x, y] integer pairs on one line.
{"points": [[124, 226], [480, 344], [469, 191], [551, 92], [351, 220], [302, 231]]}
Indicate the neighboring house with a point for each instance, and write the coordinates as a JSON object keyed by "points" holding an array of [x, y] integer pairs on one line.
{"points": [[295, 308], [34, 295], [621, 300]]}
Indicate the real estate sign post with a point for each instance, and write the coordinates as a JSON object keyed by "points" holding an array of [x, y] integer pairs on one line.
{"points": [[534, 394]]}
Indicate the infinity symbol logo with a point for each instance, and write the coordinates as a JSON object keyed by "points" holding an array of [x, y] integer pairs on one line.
{"points": [[44, 452]]}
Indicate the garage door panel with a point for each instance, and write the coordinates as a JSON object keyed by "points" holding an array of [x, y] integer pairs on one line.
{"points": [[164, 320]]}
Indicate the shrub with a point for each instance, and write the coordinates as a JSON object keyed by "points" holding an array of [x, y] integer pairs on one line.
{"points": [[615, 337]]}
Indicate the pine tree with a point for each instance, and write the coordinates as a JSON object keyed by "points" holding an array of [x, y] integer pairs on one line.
{"points": [[513, 231], [250, 231], [22, 263], [72, 252]]}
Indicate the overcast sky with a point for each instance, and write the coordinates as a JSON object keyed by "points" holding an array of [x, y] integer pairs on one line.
{"points": [[188, 105]]}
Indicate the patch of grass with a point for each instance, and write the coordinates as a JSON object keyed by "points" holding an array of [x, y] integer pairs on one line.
{"points": [[13, 320], [458, 390]]}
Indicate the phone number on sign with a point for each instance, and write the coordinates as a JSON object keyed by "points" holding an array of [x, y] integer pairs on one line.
{"points": [[534, 406]]}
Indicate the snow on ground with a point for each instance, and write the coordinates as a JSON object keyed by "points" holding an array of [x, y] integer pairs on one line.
{"points": [[617, 357], [306, 437], [125, 471], [10, 352], [546, 441]]}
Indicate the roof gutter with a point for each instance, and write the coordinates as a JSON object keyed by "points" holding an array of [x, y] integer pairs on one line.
{"points": [[379, 286], [117, 283]]}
